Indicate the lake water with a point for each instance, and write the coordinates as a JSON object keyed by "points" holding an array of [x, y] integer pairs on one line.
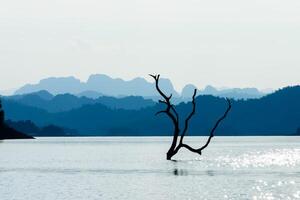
{"points": [[135, 168]]}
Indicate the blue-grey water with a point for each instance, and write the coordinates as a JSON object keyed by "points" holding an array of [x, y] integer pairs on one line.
{"points": [[135, 168]]}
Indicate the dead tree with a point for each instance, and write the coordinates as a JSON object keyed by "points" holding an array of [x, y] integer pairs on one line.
{"points": [[171, 112]]}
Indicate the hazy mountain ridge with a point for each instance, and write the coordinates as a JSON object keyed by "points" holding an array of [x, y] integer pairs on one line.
{"points": [[65, 102], [99, 83], [102, 85], [274, 114]]}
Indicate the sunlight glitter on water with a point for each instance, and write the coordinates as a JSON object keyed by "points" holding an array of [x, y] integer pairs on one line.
{"points": [[273, 157], [262, 190]]}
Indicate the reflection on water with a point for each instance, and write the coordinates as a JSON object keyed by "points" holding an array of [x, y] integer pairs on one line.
{"points": [[135, 168], [272, 157]]}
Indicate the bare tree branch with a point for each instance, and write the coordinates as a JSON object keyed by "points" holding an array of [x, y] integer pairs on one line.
{"points": [[191, 149], [156, 78], [216, 125], [175, 112], [186, 124], [168, 111]]}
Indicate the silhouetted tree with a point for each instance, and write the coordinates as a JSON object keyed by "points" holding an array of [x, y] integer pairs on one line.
{"points": [[171, 112], [1, 114]]}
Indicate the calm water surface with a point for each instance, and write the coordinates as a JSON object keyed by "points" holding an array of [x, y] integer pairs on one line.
{"points": [[135, 168]]}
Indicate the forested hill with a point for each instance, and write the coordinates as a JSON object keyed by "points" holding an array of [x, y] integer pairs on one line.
{"points": [[274, 114], [65, 102], [7, 132]]}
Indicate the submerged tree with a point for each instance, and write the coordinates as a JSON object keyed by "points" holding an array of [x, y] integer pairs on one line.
{"points": [[171, 112]]}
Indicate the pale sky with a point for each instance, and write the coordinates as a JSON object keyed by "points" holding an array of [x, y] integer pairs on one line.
{"points": [[233, 43]]}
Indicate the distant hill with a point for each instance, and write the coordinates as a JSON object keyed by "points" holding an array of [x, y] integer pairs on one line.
{"points": [[65, 102], [236, 93], [7, 132], [275, 114], [102, 85], [90, 94], [31, 129]]}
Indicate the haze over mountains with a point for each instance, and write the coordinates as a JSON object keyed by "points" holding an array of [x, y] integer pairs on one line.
{"points": [[103, 85], [274, 114], [103, 106], [100, 83]]}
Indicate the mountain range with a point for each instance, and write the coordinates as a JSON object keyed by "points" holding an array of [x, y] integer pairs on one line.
{"points": [[277, 113], [102, 85], [65, 102]]}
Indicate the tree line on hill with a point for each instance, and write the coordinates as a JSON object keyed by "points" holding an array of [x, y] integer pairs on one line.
{"points": [[32, 129]]}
